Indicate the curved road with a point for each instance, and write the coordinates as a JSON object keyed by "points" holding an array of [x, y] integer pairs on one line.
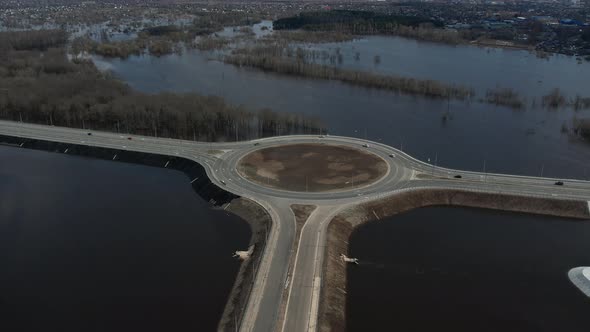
{"points": [[303, 283]]}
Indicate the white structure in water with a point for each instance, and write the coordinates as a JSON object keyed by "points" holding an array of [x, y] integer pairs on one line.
{"points": [[580, 276], [349, 260], [243, 255]]}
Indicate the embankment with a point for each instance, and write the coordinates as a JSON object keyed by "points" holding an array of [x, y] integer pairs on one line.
{"points": [[260, 222], [332, 315], [254, 214]]}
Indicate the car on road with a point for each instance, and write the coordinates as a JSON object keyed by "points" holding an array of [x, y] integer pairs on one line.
{"points": [[559, 183], [365, 145], [392, 155], [458, 176], [256, 144], [129, 138], [89, 134], [322, 136], [222, 182]]}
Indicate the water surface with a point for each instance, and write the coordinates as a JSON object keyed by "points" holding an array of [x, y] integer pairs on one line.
{"points": [[93, 245], [454, 269]]}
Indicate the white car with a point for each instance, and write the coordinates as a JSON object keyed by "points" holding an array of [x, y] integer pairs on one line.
{"points": [[365, 145]]}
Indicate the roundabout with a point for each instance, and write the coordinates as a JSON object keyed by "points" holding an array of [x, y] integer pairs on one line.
{"points": [[312, 167], [308, 168]]}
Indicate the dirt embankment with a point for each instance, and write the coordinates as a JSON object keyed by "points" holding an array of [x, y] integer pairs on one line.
{"points": [[260, 223], [332, 315]]}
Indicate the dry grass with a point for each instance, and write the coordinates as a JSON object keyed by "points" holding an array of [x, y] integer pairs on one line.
{"points": [[312, 167]]}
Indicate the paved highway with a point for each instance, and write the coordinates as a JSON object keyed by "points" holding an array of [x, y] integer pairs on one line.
{"points": [[221, 161]]}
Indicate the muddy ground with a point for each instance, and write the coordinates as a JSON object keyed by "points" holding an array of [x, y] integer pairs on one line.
{"points": [[332, 311], [312, 167]]}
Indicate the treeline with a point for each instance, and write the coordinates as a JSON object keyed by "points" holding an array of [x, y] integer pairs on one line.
{"points": [[46, 88], [158, 41], [310, 36], [582, 128], [505, 97], [39, 40], [209, 22], [350, 21], [297, 67], [557, 99]]}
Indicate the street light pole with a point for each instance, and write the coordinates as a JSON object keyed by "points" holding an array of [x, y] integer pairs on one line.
{"points": [[435, 161]]}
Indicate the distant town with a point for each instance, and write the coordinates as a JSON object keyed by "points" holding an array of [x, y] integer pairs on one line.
{"points": [[545, 26]]}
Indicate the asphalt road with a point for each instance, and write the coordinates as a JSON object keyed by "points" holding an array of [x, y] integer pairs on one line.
{"points": [[221, 161]]}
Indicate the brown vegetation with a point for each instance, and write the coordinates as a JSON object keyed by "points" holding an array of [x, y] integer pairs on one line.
{"points": [[39, 40], [46, 88], [332, 314], [313, 37], [554, 99], [312, 167], [254, 58], [504, 97], [212, 43], [431, 34], [582, 128]]}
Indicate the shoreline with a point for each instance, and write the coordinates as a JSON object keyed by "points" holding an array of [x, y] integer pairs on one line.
{"points": [[332, 312]]}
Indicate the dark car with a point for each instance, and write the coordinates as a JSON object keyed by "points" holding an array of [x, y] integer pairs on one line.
{"points": [[129, 138], [256, 144], [89, 134], [457, 176], [559, 183]]}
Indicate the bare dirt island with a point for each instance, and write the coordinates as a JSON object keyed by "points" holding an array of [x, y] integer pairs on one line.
{"points": [[312, 167]]}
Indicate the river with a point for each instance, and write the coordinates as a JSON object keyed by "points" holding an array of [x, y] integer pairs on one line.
{"points": [[453, 269], [92, 245], [476, 137]]}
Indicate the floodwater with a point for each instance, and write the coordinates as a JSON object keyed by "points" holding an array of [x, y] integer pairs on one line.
{"points": [[481, 68], [92, 245], [527, 142], [452, 269]]}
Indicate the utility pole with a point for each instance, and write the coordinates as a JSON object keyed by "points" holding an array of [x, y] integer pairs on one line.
{"points": [[542, 168], [434, 164], [484, 170]]}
